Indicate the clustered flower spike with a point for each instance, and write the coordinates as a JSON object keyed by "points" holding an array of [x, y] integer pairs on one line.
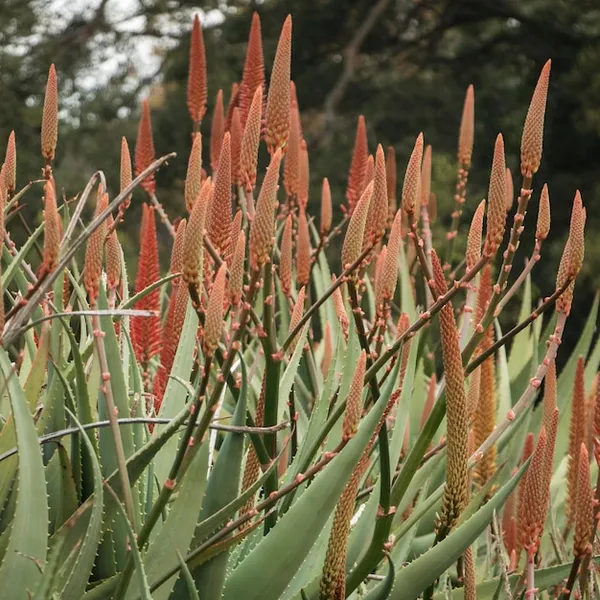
{"points": [[297, 313], [285, 257], [353, 242], [217, 130], [473, 252], [426, 176], [49, 134], [385, 283], [496, 204], [510, 190], [220, 218], [144, 148], [326, 209], [250, 141], [113, 257], [126, 177], [356, 176], [193, 178], [52, 229], [277, 118], [303, 250], [543, 220], [467, 128], [378, 208], [304, 175], [354, 400], [584, 507], [214, 312], [236, 273], [340, 309], [197, 91], [254, 69], [236, 146], [391, 179], [94, 252], [291, 170], [412, 179], [10, 164], [533, 130]]}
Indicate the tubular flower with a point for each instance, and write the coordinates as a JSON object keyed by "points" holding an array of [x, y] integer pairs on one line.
{"points": [[390, 171], [214, 312], [354, 400], [473, 252], [236, 273], [217, 131], [327, 351], [576, 438], [584, 507], [263, 224], [193, 179], [146, 332], [291, 169], [510, 190], [296, 316], [92, 267], [467, 128], [426, 176], [304, 175], [356, 176], [197, 89], [533, 130], [456, 488], [385, 284], [126, 177], [496, 217], [10, 164], [49, 134], [193, 244], [378, 208], [303, 250], [52, 229], [220, 219], [277, 119], [326, 210], [144, 148], [412, 178], [340, 309], [113, 257], [254, 69], [236, 146], [250, 141], [543, 220], [353, 242]]}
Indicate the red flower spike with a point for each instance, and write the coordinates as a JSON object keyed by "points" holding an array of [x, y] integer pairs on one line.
{"points": [[197, 89], [144, 148], [254, 69], [217, 129]]}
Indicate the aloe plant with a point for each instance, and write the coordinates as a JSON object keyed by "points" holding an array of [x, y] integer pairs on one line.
{"points": [[252, 424]]}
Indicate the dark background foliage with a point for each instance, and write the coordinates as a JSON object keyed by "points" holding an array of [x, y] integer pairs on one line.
{"points": [[404, 64]]}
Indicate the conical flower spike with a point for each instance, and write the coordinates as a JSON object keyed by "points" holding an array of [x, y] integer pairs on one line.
{"points": [[250, 141], [49, 134], [52, 228], [285, 260], [412, 178], [391, 178], [496, 204], [254, 69], [356, 176], [219, 223], [326, 210], [197, 89], [113, 258], [385, 284], [214, 312], [277, 119], [291, 170], [549, 395], [10, 164], [236, 273], [296, 316], [467, 128], [473, 252], [426, 176], [263, 224], [354, 400], [543, 220], [92, 268], [144, 148], [236, 146], [510, 190], [533, 130], [217, 130], [304, 175], [369, 170], [378, 208], [353, 242], [234, 98], [193, 179], [303, 250], [584, 507], [125, 173], [340, 309]]}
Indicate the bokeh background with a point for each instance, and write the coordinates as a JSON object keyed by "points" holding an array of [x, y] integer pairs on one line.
{"points": [[404, 64]]}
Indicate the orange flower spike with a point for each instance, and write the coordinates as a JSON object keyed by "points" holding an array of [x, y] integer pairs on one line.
{"points": [[473, 392], [52, 233], [533, 130], [467, 128], [327, 351], [193, 178], [510, 190], [113, 257], [92, 269], [10, 164], [254, 69], [378, 208], [456, 488], [356, 176], [385, 284], [473, 252], [126, 176], [411, 187], [543, 220], [217, 131], [250, 141], [391, 179], [49, 133], [496, 204], [426, 176], [584, 507], [197, 91], [549, 395], [219, 223], [542, 508], [340, 309], [236, 227], [234, 98], [378, 265], [214, 312], [291, 169], [236, 272], [236, 147], [263, 224], [354, 400], [353, 242], [285, 260], [303, 250], [369, 170], [277, 119], [326, 209], [193, 244], [576, 437], [297, 313], [304, 175], [144, 148]]}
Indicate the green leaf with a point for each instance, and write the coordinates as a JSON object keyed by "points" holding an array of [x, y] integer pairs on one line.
{"points": [[406, 288], [287, 379], [413, 579], [27, 546], [522, 345], [15, 263], [269, 568], [384, 589], [192, 592], [62, 495]]}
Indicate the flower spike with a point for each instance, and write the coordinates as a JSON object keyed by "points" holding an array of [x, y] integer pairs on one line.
{"points": [[144, 148], [49, 132], [197, 89]]}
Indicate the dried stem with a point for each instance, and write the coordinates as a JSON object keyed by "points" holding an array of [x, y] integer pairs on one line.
{"points": [[162, 214]]}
